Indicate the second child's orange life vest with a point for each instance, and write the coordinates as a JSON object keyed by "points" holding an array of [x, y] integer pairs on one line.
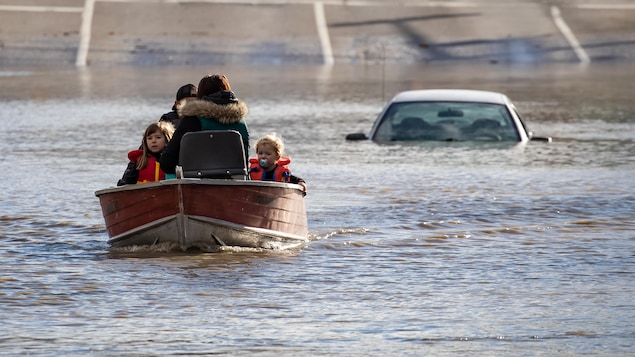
{"points": [[281, 171]]}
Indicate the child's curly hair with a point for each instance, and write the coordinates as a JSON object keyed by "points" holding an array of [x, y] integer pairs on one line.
{"points": [[274, 140]]}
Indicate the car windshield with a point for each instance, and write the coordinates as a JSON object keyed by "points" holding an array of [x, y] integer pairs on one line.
{"points": [[446, 121]]}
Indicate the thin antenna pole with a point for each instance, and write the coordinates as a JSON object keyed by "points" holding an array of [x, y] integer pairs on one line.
{"points": [[383, 73]]}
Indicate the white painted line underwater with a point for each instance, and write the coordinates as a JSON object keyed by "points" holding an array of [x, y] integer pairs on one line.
{"points": [[606, 7], [569, 36], [84, 33], [323, 33], [388, 3], [40, 8]]}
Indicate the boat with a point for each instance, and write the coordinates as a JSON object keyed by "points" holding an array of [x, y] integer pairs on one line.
{"points": [[206, 214], [211, 204]]}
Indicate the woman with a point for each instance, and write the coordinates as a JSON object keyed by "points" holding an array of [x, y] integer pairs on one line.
{"points": [[217, 108]]}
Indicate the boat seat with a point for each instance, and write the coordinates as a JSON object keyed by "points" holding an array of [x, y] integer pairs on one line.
{"points": [[217, 154]]}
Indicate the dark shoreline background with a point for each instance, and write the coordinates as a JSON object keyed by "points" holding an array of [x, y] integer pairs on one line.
{"points": [[211, 32]]}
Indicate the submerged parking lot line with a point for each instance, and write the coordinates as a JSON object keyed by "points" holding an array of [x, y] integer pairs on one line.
{"points": [[40, 8], [569, 36], [323, 33]]}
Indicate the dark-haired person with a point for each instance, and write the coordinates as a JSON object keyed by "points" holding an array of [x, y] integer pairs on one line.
{"points": [[217, 108], [185, 93]]}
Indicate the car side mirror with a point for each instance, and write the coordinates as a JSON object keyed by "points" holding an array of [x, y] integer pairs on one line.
{"points": [[546, 139], [356, 137]]}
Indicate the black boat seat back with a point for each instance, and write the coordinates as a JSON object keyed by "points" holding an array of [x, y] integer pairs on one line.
{"points": [[217, 154]]}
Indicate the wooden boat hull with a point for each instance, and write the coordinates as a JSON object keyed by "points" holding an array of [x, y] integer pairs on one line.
{"points": [[206, 214]]}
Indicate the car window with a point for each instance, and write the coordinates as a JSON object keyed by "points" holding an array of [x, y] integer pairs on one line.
{"points": [[446, 121]]}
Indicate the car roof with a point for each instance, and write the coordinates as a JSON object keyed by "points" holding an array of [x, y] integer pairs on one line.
{"points": [[453, 95]]}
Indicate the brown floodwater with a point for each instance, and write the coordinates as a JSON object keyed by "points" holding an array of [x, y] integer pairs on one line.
{"points": [[416, 249]]}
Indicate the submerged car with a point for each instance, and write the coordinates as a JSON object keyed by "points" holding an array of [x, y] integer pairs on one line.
{"points": [[449, 115]]}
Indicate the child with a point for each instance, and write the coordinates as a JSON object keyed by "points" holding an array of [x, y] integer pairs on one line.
{"points": [[270, 164], [146, 168]]}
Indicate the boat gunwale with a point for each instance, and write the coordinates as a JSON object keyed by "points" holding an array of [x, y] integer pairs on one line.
{"points": [[198, 181]]}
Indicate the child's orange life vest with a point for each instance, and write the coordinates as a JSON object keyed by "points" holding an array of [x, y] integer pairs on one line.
{"points": [[152, 172], [281, 171]]}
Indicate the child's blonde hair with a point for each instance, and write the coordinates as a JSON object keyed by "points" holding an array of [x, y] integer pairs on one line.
{"points": [[165, 127], [274, 140]]}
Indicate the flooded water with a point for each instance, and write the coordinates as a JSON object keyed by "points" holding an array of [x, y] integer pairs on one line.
{"points": [[439, 249]]}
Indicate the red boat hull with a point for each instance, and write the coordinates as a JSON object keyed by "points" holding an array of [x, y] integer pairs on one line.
{"points": [[206, 213]]}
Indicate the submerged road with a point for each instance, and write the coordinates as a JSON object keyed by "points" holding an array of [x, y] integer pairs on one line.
{"points": [[173, 32]]}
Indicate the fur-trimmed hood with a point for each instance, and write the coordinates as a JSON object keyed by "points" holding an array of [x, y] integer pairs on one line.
{"points": [[223, 109]]}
